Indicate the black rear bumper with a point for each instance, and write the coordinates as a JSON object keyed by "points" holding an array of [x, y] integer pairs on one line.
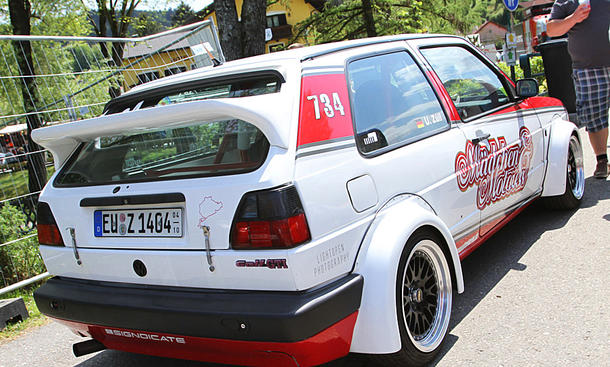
{"points": [[224, 314]]}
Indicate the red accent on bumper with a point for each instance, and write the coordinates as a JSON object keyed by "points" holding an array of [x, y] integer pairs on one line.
{"points": [[329, 344]]}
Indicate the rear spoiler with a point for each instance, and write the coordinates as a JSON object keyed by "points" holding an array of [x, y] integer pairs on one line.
{"points": [[266, 112]]}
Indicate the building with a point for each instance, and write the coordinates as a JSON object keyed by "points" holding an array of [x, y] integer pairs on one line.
{"points": [[491, 33], [168, 53], [179, 50], [282, 16]]}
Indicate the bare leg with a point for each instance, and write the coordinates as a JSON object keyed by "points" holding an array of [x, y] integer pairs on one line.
{"points": [[599, 141]]}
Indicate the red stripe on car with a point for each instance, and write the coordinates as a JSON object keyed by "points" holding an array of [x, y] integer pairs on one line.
{"points": [[532, 102], [486, 231], [325, 110], [445, 98]]}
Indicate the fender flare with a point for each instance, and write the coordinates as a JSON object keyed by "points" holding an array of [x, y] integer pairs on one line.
{"points": [[376, 329], [557, 155]]}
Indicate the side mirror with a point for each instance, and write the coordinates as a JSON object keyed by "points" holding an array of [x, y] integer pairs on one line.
{"points": [[527, 88]]}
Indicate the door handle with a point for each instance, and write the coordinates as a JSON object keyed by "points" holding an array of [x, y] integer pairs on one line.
{"points": [[480, 138]]}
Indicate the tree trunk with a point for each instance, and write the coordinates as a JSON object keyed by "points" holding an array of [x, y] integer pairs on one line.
{"points": [[229, 29], [117, 19], [369, 22], [254, 22], [20, 21], [117, 60]]}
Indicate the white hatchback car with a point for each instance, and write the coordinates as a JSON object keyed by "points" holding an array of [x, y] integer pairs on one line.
{"points": [[290, 208]]}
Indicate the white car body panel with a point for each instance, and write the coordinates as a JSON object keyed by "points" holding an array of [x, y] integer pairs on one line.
{"points": [[376, 329], [361, 209], [217, 190], [559, 140]]}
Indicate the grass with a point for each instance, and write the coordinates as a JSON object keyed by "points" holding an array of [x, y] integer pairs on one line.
{"points": [[11, 331], [15, 183]]}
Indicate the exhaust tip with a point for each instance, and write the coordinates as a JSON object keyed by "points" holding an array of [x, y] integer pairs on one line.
{"points": [[87, 347]]}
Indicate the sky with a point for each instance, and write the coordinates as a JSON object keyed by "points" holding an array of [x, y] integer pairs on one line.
{"points": [[198, 4]]}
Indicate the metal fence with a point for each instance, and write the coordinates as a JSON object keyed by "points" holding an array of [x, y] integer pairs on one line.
{"points": [[66, 79]]}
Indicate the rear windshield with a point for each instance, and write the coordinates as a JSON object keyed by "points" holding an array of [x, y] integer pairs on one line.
{"points": [[234, 86], [203, 149]]}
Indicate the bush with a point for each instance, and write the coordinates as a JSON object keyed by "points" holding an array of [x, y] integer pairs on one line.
{"points": [[536, 66], [19, 260]]}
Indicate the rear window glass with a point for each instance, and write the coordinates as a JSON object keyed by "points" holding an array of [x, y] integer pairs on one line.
{"points": [[203, 149], [235, 87], [393, 103]]}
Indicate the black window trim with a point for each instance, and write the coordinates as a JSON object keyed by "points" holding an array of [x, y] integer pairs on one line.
{"points": [[404, 48], [120, 103], [512, 99]]}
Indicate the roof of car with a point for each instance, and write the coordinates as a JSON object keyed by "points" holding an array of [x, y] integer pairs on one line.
{"points": [[298, 54]]}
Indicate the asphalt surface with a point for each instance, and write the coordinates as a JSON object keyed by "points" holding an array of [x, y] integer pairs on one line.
{"points": [[536, 294]]}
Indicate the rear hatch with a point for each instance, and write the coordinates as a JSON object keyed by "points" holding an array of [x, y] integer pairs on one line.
{"points": [[176, 163]]}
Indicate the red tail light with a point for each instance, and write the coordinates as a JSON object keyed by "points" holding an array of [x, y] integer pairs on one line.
{"points": [[48, 232], [270, 219]]}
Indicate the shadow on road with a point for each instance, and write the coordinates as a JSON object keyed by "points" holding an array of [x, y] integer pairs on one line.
{"points": [[485, 267]]}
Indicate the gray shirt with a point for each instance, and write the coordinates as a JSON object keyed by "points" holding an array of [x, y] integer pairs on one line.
{"points": [[588, 41]]}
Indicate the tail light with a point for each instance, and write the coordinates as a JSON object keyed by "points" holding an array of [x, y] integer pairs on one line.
{"points": [[270, 219], [48, 232]]}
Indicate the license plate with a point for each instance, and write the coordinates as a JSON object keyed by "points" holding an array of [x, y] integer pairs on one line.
{"points": [[166, 222]]}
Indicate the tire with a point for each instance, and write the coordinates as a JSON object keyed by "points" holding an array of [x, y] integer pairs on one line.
{"points": [[575, 180], [423, 307]]}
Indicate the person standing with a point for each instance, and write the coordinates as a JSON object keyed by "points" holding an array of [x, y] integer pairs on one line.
{"points": [[587, 24]]}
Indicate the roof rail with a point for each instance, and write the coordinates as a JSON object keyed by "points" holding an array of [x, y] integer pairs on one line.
{"points": [[367, 42]]}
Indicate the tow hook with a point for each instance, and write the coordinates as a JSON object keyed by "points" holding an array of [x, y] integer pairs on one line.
{"points": [[208, 251], [74, 247]]}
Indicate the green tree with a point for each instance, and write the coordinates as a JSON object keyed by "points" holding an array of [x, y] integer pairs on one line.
{"points": [[184, 14], [353, 19], [147, 24], [20, 14], [116, 16]]}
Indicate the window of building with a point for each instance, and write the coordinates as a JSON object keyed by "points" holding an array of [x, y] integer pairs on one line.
{"points": [[173, 71], [276, 20], [276, 47], [392, 102], [148, 77]]}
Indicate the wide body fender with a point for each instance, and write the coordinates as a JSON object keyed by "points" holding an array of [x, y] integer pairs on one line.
{"points": [[376, 330], [559, 141]]}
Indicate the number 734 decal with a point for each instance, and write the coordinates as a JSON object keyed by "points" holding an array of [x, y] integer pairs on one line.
{"points": [[329, 106]]}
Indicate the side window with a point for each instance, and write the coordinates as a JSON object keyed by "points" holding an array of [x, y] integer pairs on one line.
{"points": [[472, 85], [392, 102]]}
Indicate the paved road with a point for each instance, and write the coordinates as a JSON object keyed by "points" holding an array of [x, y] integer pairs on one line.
{"points": [[536, 294]]}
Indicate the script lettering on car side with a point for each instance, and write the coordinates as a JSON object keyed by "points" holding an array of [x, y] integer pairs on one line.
{"points": [[498, 171]]}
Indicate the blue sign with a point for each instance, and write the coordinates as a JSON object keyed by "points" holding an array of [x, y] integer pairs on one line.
{"points": [[511, 4]]}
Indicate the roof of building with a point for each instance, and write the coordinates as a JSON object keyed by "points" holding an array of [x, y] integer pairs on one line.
{"points": [[487, 24], [133, 50]]}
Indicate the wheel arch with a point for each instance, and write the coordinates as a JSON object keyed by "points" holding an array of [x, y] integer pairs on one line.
{"points": [[557, 155], [376, 330]]}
